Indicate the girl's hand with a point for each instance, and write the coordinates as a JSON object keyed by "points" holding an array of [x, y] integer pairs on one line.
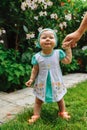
{"points": [[65, 47], [29, 82]]}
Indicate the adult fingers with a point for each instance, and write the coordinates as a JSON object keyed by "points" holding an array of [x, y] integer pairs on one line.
{"points": [[73, 45]]}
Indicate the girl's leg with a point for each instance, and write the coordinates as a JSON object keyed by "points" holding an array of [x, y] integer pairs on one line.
{"points": [[62, 111], [37, 109], [61, 105], [37, 106]]}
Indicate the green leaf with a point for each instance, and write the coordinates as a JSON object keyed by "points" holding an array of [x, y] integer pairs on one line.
{"points": [[10, 78], [25, 28], [17, 73]]}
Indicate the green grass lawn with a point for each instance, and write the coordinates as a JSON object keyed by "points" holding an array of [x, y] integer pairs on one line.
{"points": [[76, 104]]}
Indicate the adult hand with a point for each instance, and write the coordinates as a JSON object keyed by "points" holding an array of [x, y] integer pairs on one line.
{"points": [[71, 39]]}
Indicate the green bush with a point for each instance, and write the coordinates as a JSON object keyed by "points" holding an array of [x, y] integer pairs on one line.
{"points": [[79, 62], [13, 72], [81, 57], [70, 68]]}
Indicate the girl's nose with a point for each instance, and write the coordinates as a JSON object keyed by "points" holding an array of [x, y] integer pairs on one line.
{"points": [[47, 38]]}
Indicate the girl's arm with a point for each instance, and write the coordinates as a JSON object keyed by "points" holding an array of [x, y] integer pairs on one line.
{"points": [[34, 73], [68, 58]]}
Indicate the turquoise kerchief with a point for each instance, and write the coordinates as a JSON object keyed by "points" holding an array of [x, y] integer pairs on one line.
{"points": [[46, 29]]}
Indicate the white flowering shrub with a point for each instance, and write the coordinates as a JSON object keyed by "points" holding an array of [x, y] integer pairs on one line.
{"points": [[63, 16], [23, 19]]}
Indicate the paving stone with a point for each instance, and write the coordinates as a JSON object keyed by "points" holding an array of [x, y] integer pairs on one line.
{"points": [[9, 111], [3, 103], [26, 101], [72, 79]]}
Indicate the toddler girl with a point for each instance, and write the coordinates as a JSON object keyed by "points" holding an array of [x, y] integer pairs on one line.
{"points": [[46, 73]]}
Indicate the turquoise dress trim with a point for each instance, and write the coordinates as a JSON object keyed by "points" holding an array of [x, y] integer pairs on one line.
{"points": [[62, 55], [48, 94], [34, 61]]}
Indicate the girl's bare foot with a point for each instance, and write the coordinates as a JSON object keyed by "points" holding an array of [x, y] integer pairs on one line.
{"points": [[33, 119], [64, 115]]}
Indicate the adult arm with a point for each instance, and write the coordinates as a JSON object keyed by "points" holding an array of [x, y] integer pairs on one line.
{"points": [[75, 36]]}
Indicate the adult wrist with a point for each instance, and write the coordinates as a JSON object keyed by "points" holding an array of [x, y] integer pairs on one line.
{"points": [[80, 31]]}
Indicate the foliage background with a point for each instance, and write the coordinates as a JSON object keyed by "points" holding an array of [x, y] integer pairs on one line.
{"points": [[20, 22]]}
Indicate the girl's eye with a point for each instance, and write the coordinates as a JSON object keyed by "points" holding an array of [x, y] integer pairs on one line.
{"points": [[51, 37], [44, 37]]}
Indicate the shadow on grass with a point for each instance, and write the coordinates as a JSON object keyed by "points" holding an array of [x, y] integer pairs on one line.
{"points": [[49, 114]]}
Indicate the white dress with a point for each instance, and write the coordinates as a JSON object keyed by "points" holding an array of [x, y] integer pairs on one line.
{"points": [[48, 85]]}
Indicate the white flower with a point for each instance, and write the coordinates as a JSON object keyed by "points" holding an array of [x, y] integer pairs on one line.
{"points": [[28, 36], [45, 6], [31, 35], [33, 6], [30, 4], [84, 48], [64, 24], [36, 17], [3, 31], [49, 3], [1, 41], [23, 6], [61, 26], [54, 16], [15, 25], [40, 29], [39, 1], [43, 13], [68, 17]]}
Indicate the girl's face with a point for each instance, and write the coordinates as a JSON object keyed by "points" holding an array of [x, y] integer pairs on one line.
{"points": [[47, 40]]}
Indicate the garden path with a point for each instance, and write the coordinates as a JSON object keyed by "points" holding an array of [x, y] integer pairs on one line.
{"points": [[14, 102]]}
